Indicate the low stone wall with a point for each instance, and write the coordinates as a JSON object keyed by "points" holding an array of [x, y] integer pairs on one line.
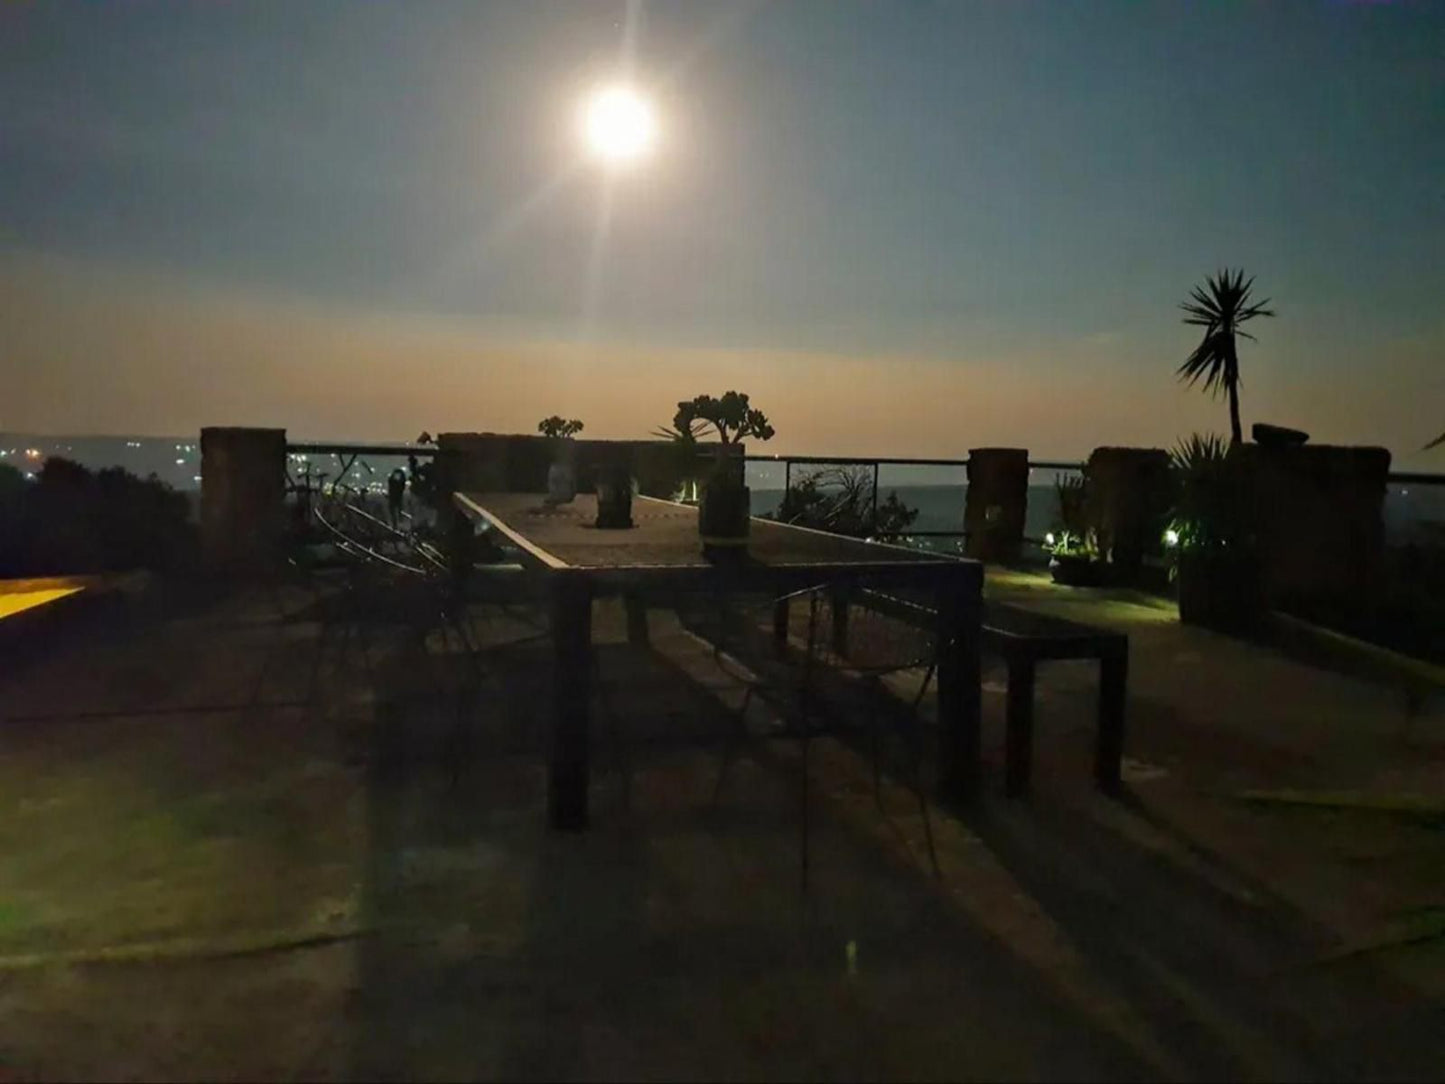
{"points": [[518, 463]]}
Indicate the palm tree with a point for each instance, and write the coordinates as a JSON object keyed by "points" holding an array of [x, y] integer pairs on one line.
{"points": [[1220, 307]]}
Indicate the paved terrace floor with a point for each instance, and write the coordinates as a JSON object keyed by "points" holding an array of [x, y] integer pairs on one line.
{"points": [[221, 861]]}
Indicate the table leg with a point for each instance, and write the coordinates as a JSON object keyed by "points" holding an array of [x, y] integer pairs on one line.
{"points": [[571, 697], [960, 749], [1113, 694], [462, 537], [637, 634], [780, 627], [1020, 739]]}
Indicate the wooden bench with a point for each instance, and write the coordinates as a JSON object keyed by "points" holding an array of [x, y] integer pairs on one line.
{"points": [[1023, 639]]}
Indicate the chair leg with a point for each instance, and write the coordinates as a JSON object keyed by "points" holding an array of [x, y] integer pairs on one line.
{"points": [[805, 721], [457, 743], [916, 740], [614, 735], [873, 739], [803, 854], [323, 635], [735, 739], [363, 641], [1020, 727]]}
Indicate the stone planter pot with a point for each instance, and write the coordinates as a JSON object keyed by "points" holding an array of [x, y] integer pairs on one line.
{"points": [[724, 514], [1077, 570], [561, 482]]}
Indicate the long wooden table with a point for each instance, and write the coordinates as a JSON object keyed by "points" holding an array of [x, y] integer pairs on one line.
{"points": [[662, 555]]}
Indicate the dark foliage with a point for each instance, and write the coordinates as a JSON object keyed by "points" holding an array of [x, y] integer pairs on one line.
{"points": [[72, 520], [1211, 506], [423, 481], [1074, 536], [840, 499], [558, 426], [732, 417]]}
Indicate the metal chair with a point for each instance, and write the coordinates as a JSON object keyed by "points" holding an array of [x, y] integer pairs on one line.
{"points": [[411, 592], [833, 642]]}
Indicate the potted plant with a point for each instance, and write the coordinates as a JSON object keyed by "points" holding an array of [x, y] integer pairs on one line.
{"points": [[1211, 544], [562, 474], [724, 509], [1074, 558]]}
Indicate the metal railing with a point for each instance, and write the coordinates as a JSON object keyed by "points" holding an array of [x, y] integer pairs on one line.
{"points": [[876, 463], [1395, 478], [346, 457], [357, 491]]}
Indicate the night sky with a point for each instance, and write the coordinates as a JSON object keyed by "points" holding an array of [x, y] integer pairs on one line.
{"points": [[905, 228]]}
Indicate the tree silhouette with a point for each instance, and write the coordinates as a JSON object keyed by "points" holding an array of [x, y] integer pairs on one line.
{"points": [[841, 499], [1220, 307], [732, 417], [558, 426]]}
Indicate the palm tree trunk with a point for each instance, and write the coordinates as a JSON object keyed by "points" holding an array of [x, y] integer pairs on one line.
{"points": [[1231, 379]]}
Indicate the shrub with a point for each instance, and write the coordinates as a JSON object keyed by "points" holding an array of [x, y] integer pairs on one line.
{"points": [[71, 520]]}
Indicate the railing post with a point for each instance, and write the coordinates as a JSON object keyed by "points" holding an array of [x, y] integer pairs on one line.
{"points": [[874, 520]]}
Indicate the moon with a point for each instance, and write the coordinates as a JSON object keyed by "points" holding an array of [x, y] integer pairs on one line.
{"points": [[619, 125]]}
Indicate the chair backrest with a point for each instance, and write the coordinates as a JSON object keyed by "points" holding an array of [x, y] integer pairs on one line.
{"points": [[833, 624], [845, 626]]}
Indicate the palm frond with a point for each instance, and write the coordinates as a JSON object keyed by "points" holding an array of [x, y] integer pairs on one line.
{"points": [[1219, 306], [1209, 362], [1435, 443]]}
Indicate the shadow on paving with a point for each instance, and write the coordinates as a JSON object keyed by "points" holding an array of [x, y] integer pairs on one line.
{"points": [[672, 939], [1225, 985]]}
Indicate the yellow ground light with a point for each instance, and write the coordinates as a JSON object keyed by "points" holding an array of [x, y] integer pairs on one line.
{"points": [[14, 602]]}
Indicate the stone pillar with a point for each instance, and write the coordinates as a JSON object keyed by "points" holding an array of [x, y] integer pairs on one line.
{"points": [[660, 467], [243, 496], [528, 458], [470, 462], [997, 502], [1127, 505], [473, 461], [1318, 512]]}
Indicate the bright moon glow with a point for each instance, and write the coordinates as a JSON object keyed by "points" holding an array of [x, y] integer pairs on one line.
{"points": [[619, 125]]}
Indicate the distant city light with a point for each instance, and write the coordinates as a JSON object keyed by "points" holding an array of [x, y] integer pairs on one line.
{"points": [[1171, 537], [180, 462], [1049, 539], [195, 477], [32, 453]]}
